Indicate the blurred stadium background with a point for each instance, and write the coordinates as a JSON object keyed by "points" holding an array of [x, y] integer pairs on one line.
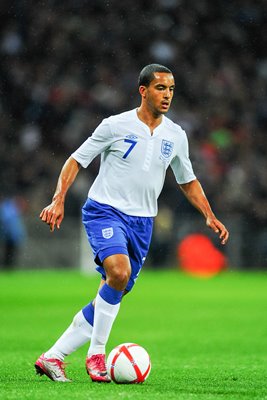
{"points": [[67, 65]]}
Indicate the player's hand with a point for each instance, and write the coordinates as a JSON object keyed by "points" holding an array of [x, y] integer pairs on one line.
{"points": [[53, 215], [214, 224]]}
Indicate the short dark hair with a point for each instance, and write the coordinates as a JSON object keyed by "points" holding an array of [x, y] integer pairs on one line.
{"points": [[147, 74]]}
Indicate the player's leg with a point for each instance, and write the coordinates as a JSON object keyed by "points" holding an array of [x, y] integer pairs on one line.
{"points": [[108, 234], [108, 299], [51, 363], [107, 304], [121, 273], [76, 335]]}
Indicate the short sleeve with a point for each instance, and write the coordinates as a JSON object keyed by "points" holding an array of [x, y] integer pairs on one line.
{"points": [[181, 164], [96, 144]]}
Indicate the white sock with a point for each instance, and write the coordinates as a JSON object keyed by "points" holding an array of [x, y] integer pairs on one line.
{"points": [[105, 314], [77, 334]]}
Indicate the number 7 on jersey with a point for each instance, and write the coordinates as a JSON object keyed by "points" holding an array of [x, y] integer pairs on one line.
{"points": [[133, 143]]}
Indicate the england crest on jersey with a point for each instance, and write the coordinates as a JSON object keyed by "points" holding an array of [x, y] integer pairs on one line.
{"points": [[107, 233], [166, 148]]}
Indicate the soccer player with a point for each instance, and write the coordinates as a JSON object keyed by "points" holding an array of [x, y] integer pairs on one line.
{"points": [[136, 149]]}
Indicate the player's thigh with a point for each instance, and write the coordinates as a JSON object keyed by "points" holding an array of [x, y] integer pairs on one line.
{"points": [[138, 246], [103, 234]]}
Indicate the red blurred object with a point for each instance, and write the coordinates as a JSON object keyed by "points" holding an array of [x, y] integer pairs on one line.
{"points": [[198, 256]]}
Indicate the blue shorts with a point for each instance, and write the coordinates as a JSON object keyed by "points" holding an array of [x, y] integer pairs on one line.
{"points": [[110, 231]]}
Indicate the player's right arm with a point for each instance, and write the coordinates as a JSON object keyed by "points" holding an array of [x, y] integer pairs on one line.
{"points": [[53, 214]]}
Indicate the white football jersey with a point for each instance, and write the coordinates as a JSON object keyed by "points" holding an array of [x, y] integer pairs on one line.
{"points": [[134, 162]]}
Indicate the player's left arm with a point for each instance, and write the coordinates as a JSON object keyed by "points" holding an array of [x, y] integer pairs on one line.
{"points": [[195, 194]]}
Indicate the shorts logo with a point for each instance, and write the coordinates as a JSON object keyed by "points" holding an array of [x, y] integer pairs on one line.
{"points": [[107, 233], [166, 148]]}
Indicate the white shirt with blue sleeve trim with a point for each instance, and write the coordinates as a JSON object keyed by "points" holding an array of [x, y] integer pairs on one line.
{"points": [[134, 162]]}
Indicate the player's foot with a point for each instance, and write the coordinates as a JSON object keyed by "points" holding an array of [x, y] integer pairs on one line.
{"points": [[96, 368], [51, 367]]}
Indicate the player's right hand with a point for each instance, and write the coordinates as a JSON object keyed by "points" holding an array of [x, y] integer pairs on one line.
{"points": [[53, 215]]}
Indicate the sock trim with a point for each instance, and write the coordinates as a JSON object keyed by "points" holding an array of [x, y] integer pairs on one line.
{"points": [[110, 295], [88, 313]]}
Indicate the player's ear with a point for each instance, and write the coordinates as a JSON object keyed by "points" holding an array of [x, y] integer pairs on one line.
{"points": [[142, 91]]}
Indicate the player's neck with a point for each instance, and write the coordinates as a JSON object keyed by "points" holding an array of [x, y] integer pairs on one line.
{"points": [[151, 120]]}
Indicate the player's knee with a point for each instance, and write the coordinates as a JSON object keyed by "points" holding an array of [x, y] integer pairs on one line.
{"points": [[119, 276]]}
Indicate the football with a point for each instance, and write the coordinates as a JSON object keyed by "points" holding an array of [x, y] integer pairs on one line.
{"points": [[128, 363]]}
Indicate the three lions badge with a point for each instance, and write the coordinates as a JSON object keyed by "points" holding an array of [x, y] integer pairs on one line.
{"points": [[107, 233], [166, 148]]}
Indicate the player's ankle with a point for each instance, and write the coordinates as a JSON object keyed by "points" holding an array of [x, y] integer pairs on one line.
{"points": [[96, 350], [54, 355]]}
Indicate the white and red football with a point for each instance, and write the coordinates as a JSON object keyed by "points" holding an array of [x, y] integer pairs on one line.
{"points": [[128, 363]]}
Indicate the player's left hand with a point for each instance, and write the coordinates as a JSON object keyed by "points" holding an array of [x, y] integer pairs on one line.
{"points": [[214, 224]]}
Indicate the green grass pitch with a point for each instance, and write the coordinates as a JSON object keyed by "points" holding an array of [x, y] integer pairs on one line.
{"points": [[207, 338]]}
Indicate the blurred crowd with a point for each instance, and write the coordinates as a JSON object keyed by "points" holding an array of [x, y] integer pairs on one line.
{"points": [[67, 65]]}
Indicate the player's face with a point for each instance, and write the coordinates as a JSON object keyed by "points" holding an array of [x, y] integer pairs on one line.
{"points": [[158, 95]]}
